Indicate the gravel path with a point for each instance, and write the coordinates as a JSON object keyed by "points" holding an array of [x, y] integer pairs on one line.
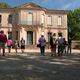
{"points": [[34, 67]]}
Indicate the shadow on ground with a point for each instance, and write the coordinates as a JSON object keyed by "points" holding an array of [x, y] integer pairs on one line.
{"points": [[31, 67]]}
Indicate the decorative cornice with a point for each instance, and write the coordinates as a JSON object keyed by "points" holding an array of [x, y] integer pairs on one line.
{"points": [[5, 27], [56, 28], [25, 25], [56, 12]]}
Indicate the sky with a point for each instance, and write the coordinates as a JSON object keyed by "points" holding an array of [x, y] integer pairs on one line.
{"points": [[49, 4]]}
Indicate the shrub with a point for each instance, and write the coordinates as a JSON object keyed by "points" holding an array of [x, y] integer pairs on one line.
{"points": [[77, 46]]}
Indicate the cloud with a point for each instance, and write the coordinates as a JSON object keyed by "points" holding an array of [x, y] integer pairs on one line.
{"points": [[55, 4], [60, 4], [76, 4], [66, 6]]}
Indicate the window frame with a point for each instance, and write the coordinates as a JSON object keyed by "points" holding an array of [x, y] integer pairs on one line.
{"points": [[49, 20], [59, 20], [10, 19], [28, 19], [42, 18]]}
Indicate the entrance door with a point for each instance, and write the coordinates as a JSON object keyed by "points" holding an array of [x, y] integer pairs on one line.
{"points": [[30, 38], [10, 35]]}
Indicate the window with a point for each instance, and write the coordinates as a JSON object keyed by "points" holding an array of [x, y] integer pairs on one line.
{"points": [[42, 18], [59, 20], [0, 18], [49, 33], [49, 20], [16, 35], [17, 18], [10, 19], [30, 18]]}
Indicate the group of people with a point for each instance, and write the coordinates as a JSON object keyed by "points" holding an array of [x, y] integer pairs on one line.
{"points": [[20, 44], [63, 45], [9, 42], [60, 43]]}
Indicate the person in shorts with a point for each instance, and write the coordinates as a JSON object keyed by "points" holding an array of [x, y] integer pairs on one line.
{"points": [[3, 40]]}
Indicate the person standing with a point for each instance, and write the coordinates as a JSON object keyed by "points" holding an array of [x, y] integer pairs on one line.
{"points": [[0, 46], [16, 45], [9, 44], [22, 45], [51, 44], [3, 40], [64, 45], [60, 45], [42, 43], [69, 46]]}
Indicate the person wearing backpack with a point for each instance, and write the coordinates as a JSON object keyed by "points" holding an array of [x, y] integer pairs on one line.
{"points": [[60, 45], [22, 45]]}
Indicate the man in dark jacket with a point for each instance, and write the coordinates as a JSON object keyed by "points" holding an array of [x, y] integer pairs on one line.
{"points": [[3, 40], [51, 44], [69, 46]]}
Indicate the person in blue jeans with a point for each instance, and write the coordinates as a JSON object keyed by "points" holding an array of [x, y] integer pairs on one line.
{"points": [[42, 43]]}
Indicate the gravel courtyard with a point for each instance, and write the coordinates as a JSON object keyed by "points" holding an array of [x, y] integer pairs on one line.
{"points": [[23, 66]]}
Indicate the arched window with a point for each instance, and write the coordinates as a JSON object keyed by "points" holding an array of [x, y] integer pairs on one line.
{"points": [[0, 18], [10, 19]]}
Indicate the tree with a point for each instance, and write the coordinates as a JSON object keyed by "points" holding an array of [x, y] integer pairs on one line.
{"points": [[74, 24], [4, 5]]}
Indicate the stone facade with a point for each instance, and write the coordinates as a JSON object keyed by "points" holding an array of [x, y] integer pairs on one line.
{"points": [[31, 20]]}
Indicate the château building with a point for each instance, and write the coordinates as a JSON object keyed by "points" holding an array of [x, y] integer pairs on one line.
{"points": [[31, 20]]}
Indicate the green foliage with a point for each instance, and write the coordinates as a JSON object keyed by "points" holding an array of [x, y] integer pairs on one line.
{"points": [[4, 5], [74, 24], [77, 46]]}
